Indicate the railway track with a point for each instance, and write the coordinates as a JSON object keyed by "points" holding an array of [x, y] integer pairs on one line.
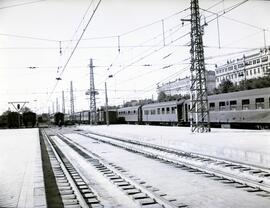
{"points": [[142, 194], [249, 178], [74, 191]]}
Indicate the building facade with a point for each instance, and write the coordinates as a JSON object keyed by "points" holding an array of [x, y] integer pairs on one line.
{"points": [[182, 86], [247, 67]]}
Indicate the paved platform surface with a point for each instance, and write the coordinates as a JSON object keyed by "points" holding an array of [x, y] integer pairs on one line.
{"points": [[247, 146], [21, 176]]}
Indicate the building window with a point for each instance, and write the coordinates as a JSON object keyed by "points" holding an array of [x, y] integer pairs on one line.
{"points": [[265, 58], [212, 106], [259, 71], [235, 67], [250, 72], [259, 103], [245, 104], [222, 105], [233, 104], [254, 61], [247, 73], [254, 71], [258, 61]]}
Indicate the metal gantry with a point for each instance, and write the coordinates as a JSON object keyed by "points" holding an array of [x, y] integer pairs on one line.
{"points": [[199, 112], [92, 93]]}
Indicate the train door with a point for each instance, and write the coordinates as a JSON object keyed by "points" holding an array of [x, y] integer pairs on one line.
{"points": [[180, 113], [140, 115]]}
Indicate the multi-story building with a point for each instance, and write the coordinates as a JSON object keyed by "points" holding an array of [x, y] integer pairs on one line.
{"points": [[247, 67], [182, 86]]}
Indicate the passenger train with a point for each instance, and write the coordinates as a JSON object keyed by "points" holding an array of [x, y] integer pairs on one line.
{"points": [[243, 109]]}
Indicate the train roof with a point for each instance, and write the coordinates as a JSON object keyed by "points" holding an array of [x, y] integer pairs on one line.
{"points": [[245, 93], [130, 107], [168, 103]]}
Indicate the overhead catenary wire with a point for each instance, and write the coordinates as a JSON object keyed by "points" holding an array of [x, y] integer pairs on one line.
{"points": [[69, 58]]}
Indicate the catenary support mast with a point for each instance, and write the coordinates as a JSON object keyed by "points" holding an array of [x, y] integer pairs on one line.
{"points": [[92, 93], [198, 93], [71, 101]]}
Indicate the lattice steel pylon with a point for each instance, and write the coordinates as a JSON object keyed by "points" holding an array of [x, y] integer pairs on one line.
{"points": [[92, 93], [199, 112], [71, 101]]}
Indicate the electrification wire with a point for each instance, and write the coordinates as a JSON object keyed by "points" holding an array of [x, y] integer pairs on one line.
{"points": [[21, 4], [65, 66], [28, 37], [76, 30]]}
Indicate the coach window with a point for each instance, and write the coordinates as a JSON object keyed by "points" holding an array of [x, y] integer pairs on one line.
{"points": [[222, 105], [173, 110], [153, 112], [135, 112], [158, 111], [259, 102], [212, 106], [167, 110], [245, 104], [162, 110], [233, 105], [146, 112]]}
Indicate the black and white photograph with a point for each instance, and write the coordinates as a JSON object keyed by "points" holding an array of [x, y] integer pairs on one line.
{"points": [[134, 103]]}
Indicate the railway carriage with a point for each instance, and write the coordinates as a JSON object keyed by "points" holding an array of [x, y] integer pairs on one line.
{"points": [[249, 108], [131, 114], [160, 113]]}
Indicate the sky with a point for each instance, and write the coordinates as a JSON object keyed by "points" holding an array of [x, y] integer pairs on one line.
{"points": [[125, 38]]}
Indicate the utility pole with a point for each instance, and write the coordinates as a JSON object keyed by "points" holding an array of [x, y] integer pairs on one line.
{"points": [[199, 112], [71, 101], [92, 93], [53, 108], [56, 105], [63, 102], [106, 105]]}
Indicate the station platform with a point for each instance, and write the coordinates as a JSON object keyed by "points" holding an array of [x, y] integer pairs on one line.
{"points": [[245, 146], [21, 175]]}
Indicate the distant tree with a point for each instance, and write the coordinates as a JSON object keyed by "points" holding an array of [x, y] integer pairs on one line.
{"points": [[226, 86], [29, 119], [13, 120], [161, 96]]}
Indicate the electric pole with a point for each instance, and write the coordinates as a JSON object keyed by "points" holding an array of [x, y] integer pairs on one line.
{"points": [[106, 105], [53, 108], [71, 101], [63, 102], [57, 106], [199, 111], [92, 93]]}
